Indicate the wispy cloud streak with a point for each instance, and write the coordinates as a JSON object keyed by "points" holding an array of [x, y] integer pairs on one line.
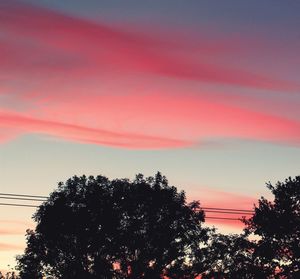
{"points": [[87, 135], [89, 82], [91, 48], [119, 120]]}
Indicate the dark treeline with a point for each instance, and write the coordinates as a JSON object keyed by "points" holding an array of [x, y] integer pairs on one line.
{"points": [[93, 227]]}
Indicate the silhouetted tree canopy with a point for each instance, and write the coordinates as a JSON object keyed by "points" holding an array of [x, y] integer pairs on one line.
{"points": [[232, 257], [99, 228], [8, 275], [274, 252], [277, 223]]}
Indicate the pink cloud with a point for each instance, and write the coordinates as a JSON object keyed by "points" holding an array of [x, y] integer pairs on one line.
{"points": [[166, 121], [85, 134], [218, 198], [8, 134], [184, 117], [88, 82], [81, 48]]}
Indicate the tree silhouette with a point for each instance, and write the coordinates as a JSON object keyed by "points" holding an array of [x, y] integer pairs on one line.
{"points": [[274, 252], [232, 256], [96, 228], [9, 275], [277, 223]]}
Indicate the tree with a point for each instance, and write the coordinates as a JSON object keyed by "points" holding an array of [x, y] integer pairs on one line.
{"points": [[9, 275], [96, 228], [277, 223], [232, 256], [29, 264]]}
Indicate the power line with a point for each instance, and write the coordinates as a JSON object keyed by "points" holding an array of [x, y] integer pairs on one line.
{"points": [[228, 212], [38, 198], [22, 199], [229, 209], [44, 198], [223, 218], [19, 195], [220, 210], [223, 211], [35, 206]]}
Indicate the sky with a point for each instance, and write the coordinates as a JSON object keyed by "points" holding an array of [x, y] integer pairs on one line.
{"points": [[207, 92]]}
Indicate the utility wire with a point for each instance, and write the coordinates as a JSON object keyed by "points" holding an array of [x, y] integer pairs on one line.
{"points": [[210, 211], [227, 212], [37, 198], [35, 206], [222, 211], [22, 199], [228, 209], [18, 195], [223, 218], [44, 198]]}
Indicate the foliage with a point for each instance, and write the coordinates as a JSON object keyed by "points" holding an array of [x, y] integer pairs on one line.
{"points": [[96, 228], [9, 275], [277, 223], [231, 256]]}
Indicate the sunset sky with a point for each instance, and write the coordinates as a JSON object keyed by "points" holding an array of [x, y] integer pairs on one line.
{"points": [[207, 92]]}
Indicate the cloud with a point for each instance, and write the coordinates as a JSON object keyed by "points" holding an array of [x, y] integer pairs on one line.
{"points": [[219, 198], [8, 134], [45, 42], [181, 116], [89, 82], [149, 121], [87, 135]]}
